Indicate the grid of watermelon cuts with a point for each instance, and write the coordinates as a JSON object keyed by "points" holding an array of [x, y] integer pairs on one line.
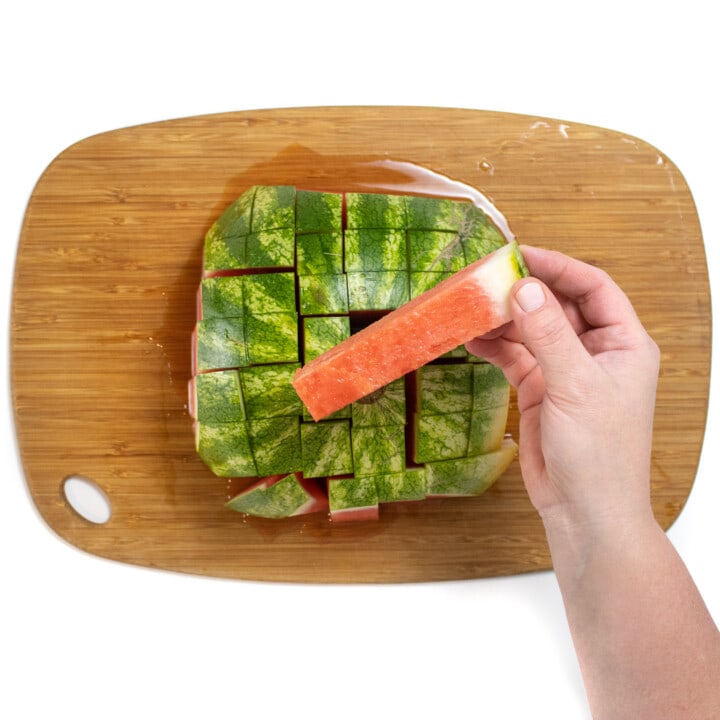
{"points": [[287, 275]]}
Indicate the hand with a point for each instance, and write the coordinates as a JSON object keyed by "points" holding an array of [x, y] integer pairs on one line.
{"points": [[586, 375]]}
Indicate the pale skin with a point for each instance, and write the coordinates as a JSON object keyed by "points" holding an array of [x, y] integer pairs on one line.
{"points": [[586, 374]]}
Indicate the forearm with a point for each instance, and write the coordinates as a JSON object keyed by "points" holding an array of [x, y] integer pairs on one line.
{"points": [[646, 644]]}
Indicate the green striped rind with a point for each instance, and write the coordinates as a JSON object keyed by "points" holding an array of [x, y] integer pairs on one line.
{"points": [[221, 297], [278, 500], [351, 493], [326, 448], [319, 253], [225, 240], [318, 212], [378, 290], [375, 249], [490, 388], [431, 213], [487, 430], [221, 343], [225, 449], [375, 210], [445, 389], [268, 392], [385, 406], [378, 449], [266, 293], [320, 334], [275, 444], [469, 476], [270, 248], [273, 208], [484, 239], [403, 486], [435, 251], [441, 437], [272, 338], [323, 294], [219, 397]]}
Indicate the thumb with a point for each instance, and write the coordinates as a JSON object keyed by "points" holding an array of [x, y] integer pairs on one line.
{"points": [[547, 333]]}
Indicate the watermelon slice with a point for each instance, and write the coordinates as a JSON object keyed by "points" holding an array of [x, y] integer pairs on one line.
{"points": [[293, 278], [467, 304]]}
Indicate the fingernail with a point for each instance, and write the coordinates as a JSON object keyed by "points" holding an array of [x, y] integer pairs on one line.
{"points": [[530, 297]]}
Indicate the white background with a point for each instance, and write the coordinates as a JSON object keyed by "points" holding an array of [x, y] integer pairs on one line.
{"points": [[83, 638]]}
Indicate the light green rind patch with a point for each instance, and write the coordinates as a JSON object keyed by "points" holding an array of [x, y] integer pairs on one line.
{"points": [[273, 208], [272, 338], [221, 297], [469, 476], [441, 437], [225, 449], [421, 282], [281, 499], [487, 430], [323, 333], [378, 290], [326, 448], [318, 212], [266, 293], [221, 253], [400, 487], [270, 249], [323, 294], [435, 251], [490, 388], [378, 449], [385, 406], [268, 391], [319, 254], [443, 389], [221, 343], [348, 493], [375, 210], [375, 250], [275, 444], [219, 397]]}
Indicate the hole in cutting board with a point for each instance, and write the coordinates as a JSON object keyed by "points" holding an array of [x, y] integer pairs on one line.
{"points": [[87, 499]]}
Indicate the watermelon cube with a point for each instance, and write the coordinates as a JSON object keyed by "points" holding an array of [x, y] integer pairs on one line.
{"points": [[220, 343], [375, 250], [270, 249], [235, 219], [326, 448], [268, 392], [319, 253], [421, 282], [266, 293], [379, 449], [272, 338], [375, 210], [487, 429], [275, 444], [490, 388], [468, 476], [441, 437], [318, 212], [323, 294], [434, 213], [225, 448], [273, 208], [220, 297], [217, 397], [320, 334], [280, 496], [435, 251], [401, 487], [353, 498], [445, 389]]}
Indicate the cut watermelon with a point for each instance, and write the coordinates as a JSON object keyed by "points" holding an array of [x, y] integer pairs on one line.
{"points": [[469, 303], [294, 277]]}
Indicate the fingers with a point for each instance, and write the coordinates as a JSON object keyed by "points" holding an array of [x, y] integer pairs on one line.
{"points": [[599, 300]]}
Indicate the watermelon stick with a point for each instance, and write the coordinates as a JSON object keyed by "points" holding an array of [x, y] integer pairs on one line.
{"points": [[467, 304]]}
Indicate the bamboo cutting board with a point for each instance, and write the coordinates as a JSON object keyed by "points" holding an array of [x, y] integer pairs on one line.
{"points": [[104, 303]]}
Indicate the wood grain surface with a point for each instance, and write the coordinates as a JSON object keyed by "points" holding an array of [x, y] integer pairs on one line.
{"points": [[104, 303]]}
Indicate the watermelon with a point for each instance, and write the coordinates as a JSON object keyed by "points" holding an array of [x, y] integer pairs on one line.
{"points": [[305, 375]]}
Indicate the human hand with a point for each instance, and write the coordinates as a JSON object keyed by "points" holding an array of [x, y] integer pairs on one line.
{"points": [[586, 375]]}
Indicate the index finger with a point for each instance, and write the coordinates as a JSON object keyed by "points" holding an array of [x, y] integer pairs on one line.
{"points": [[600, 300]]}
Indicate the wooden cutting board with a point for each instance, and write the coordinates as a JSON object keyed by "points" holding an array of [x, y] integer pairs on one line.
{"points": [[104, 303]]}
